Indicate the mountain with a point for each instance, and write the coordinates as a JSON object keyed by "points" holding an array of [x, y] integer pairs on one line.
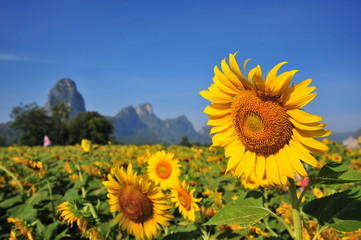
{"points": [[141, 125], [65, 91]]}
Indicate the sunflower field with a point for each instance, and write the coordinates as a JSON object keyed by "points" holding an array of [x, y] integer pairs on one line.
{"points": [[71, 193]]}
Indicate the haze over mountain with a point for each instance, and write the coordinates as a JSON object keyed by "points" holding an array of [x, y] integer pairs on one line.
{"points": [[131, 125]]}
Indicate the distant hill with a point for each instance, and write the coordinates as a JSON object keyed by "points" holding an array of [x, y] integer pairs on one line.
{"points": [[141, 125], [339, 137]]}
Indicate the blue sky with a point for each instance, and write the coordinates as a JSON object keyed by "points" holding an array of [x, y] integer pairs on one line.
{"points": [[123, 53]]}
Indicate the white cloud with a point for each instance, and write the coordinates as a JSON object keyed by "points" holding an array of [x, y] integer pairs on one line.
{"points": [[10, 57]]}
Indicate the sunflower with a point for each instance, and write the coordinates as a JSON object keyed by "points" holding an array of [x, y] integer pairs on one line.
{"points": [[143, 207], [20, 225], [184, 200], [285, 210], [69, 214], [86, 145], [260, 122], [317, 192], [163, 169]]}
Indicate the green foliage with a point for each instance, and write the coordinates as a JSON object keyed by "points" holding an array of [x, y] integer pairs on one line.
{"points": [[246, 211], [34, 124], [185, 142], [91, 126], [59, 117], [335, 173], [33, 121], [340, 211]]}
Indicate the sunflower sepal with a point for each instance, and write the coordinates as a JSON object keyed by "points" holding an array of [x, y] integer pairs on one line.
{"points": [[245, 211]]}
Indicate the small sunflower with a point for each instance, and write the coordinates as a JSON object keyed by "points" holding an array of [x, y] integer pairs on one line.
{"points": [[317, 192], [163, 169], [86, 145], [68, 213], [143, 207], [260, 122], [184, 200], [285, 210], [20, 225]]}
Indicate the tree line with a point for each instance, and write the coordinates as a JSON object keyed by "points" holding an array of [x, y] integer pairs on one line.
{"points": [[34, 123]]}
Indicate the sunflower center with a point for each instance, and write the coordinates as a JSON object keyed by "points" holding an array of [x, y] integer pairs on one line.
{"points": [[135, 204], [164, 170], [184, 199], [254, 122], [260, 121]]}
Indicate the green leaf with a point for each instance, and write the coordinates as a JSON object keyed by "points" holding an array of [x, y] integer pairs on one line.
{"points": [[25, 212], [8, 203], [340, 210], [50, 230], [335, 173], [246, 211], [37, 198]]}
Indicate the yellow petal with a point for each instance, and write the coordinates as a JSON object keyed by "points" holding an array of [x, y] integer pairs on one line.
{"points": [[235, 68], [241, 166], [235, 151], [284, 161], [219, 121], [260, 167], [230, 75], [255, 75], [224, 87], [303, 117], [272, 170], [300, 101], [216, 111], [281, 83], [223, 138], [303, 153], [311, 142], [249, 164], [271, 76], [215, 97], [222, 127], [317, 133], [307, 126], [295, 161]]}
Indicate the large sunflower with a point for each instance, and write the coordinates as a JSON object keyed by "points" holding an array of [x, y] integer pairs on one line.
{"points": [[143, 207], [183, 198], [163, 169], [260, 122]]}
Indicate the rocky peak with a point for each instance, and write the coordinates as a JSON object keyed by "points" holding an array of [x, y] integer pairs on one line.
{"points": [[144, 109], [128, 111], [65, 91]]}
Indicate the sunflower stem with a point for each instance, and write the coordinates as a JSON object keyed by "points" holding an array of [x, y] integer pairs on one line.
{"points": [[93, 212], [13, 176], [82, 180], [296, 212]]}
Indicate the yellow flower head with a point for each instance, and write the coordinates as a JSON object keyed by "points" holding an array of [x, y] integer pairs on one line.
{"points": [[183, 198], [163, 169], [285, 210], [21, 226], [336, 157], [317, 192], [69, 214], [86, 145], [260, 123], [143, 207]]}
